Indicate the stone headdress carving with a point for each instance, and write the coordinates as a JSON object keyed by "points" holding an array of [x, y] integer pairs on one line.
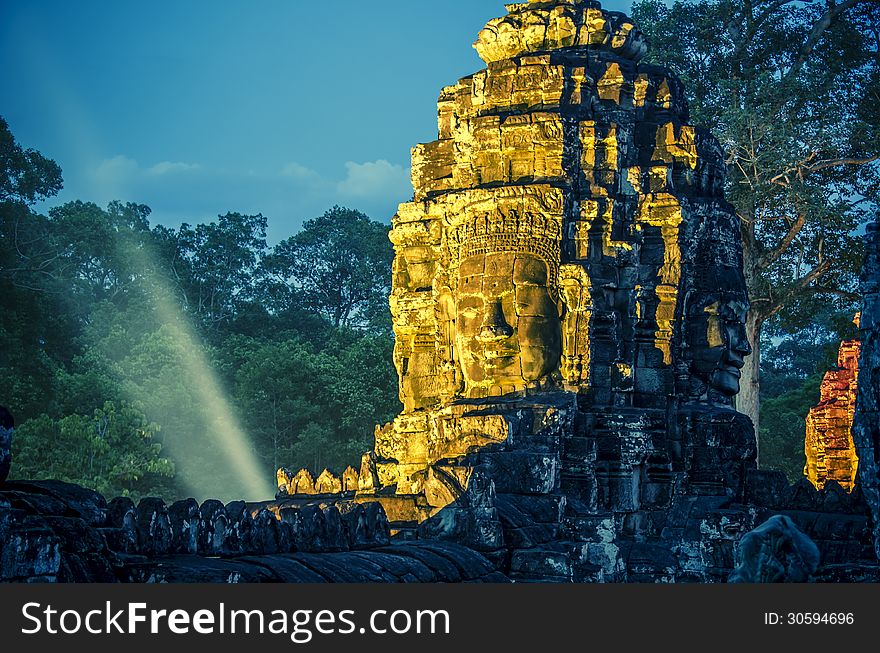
{"points": [[527, 233]]}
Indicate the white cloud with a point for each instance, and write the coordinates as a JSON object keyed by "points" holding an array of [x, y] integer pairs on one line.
{"points": [[116, 169], [298, 171], [122, 168], [287, 194], [374, 179], [170, 167]]}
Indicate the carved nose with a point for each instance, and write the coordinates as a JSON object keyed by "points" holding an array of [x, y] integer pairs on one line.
{"points": [[741, 343], [494, 326]]}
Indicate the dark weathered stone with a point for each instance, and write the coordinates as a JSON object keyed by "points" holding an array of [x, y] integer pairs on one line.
{"points": [[32, 503], [377, 530], [353, 524], [196, 569], [286, 569], [78, 501], [122, 516], [265, 534], [866, 424], [337, 538], [213, 528], [154, 527], [185, 517], [767, 488], [75, 535], [7, 425], [777, 551], [473, 519], [523, 472], [29, 550], [240, 535], [313, 536], [545, 564]]}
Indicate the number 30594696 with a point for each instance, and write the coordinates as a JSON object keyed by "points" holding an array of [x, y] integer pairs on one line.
{"points": [[809, 618]]}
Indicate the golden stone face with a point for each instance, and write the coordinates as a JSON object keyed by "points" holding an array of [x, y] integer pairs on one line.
{"points": [[508, 328]]}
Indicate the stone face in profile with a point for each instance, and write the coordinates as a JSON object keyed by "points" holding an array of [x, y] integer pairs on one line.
{"points": [[716, 337]]}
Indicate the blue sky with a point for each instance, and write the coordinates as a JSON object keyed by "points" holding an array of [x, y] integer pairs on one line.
{"points": [[195, 108]]}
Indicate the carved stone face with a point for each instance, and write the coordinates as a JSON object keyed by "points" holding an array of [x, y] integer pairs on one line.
{"points": [[507, 329], [717, 339], [508, 38]]}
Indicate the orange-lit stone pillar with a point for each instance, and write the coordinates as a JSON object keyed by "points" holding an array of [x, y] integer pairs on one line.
{"points": [[828, 446]]}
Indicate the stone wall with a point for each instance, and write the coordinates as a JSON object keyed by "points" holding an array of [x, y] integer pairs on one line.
{"points": [[828, 444], [58, 532], [866, 427]]}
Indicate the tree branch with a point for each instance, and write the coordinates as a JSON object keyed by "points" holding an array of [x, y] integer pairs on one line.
{"points": [[805, 167], [739, 45], [798, 287], [834, 10], [824, 290], [831, 163], [784, 244]]}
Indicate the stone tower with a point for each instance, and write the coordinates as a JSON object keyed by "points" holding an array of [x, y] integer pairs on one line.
{"points": [[568, 304], [828, 445], [568, 234]]}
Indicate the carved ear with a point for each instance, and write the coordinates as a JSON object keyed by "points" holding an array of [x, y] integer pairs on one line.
{"points": [[574, 288]]}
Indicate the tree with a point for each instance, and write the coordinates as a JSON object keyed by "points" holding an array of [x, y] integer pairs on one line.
{"points": [[55, 271], [283, 388], [790, 88], [313, 408], [783, 427], [95, 249], [366, 386], [213, 266], [34, 329], [26, 176], [338, 266], [113, 451]]}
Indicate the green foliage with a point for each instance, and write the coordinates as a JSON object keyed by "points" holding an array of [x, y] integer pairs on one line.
{"points": [[337, 267], [213, 266], [26, 176], [316, 408], [100, 312], [113, 450], [783, 427], [95, 246], [792, 355], [792, 369], [787, 87]]}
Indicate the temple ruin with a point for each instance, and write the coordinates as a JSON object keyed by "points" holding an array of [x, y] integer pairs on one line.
{"points": [[828, 445], [568, 305], [567, 298]]}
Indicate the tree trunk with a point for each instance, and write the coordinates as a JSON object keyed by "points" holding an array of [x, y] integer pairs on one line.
{"points": [[748, 400]]}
